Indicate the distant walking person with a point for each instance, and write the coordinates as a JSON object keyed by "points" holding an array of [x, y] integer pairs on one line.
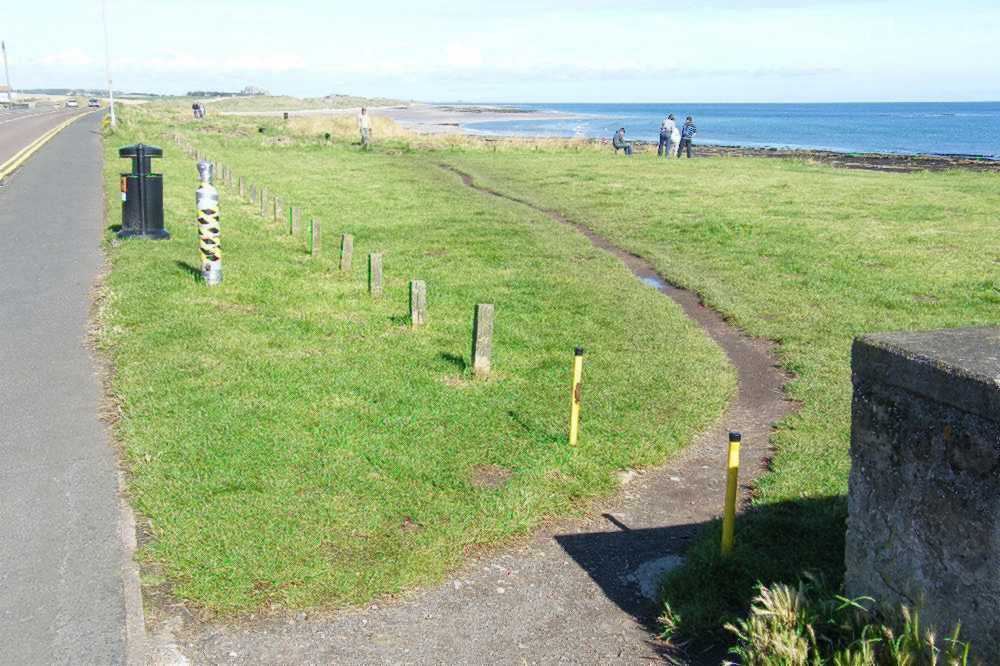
{"points": [[364, 123], [667, 128], [687, 136], [620, 143]]}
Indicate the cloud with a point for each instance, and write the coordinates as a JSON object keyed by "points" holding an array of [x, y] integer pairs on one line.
{"points": [[74, 57], [234, 64], [463, 55]]}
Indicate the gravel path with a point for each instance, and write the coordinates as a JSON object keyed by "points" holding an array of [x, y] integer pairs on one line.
{"points": [[579, 592]]}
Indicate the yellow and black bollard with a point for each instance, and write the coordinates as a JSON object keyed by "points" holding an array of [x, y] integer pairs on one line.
{"points": [[577, 395], [732, 485], [208, 226]]}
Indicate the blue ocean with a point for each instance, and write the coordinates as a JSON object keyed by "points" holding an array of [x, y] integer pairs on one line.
{"points": [[953, 128]]}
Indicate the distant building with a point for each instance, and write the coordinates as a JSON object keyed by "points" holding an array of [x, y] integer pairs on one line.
{"points": [[254, 91]]}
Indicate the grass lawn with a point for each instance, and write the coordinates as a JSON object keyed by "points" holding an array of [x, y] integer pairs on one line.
{"points": [[806, 255], [293, 442]]}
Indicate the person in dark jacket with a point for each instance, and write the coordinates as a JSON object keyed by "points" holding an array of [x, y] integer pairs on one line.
{"points": [[687, 136], [667, 129], [620, 143]]}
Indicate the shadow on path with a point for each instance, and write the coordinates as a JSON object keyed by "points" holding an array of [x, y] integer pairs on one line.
{"points": [[628, 564]]}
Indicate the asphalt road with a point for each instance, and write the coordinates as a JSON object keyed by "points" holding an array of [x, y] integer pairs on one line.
{"points": [[18, 127], [61, 558]]}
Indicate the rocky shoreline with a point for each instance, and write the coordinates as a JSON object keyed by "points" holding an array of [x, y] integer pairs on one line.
{"points": [[869, 161]]}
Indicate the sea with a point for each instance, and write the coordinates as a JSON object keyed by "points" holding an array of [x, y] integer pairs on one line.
{"points": [[927, 128]]}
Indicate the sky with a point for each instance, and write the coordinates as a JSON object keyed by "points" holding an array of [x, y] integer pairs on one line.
{"points": [[519, 50]]}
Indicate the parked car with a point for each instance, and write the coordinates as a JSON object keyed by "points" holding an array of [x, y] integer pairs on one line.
{"points": [[72, 104], [94, 103]]}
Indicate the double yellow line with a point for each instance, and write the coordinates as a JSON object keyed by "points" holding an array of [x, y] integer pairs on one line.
{"points": [[22, 155]]}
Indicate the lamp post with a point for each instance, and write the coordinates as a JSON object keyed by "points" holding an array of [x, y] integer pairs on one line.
{"points": [[107, 60], [6, 72]]}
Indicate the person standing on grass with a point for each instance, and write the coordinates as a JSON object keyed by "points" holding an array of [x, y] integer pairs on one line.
{"points": [[364, 123], [620, 143], [675, 140], [687, 136], [667, 128]]}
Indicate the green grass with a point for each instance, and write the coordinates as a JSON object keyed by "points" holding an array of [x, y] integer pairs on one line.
{"points": [[809, 256], [292, 442]]}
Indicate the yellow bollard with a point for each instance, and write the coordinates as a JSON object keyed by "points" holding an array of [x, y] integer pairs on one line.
{"points": [[732, 485], [207, 198], [574, 414]]}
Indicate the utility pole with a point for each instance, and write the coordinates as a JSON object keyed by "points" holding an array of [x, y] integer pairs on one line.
{"points": [[10, 91], [107, 60]]}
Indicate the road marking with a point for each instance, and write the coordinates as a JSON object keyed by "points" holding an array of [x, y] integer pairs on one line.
{"points": [[22, 155], [29, 115]]}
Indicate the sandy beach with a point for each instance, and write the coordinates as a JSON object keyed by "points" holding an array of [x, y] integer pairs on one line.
{"points": [[421, 117]]}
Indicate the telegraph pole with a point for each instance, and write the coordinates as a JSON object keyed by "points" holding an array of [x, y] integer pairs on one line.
{"points": [[10, 91], [107, 60]]}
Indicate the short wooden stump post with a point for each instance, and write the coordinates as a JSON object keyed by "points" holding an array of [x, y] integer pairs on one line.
{"points": [[418, 303], [346, 252], [278, 207], [263, 201], [253, 194], [375, 274], [314, 237], [482, 339], [243, 187]]}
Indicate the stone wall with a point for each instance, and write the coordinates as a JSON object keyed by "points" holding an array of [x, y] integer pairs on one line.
{"points": [[924, 502]]}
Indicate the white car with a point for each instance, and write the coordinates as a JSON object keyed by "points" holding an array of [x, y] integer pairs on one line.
{"points": [[94, 103], [72, 104]]}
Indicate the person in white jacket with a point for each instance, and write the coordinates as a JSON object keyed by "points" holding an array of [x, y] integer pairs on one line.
{"points": [[364, 123], [673, 148]]}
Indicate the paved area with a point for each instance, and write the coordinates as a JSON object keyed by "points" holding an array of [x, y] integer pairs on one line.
{"points": [[580, 592], [61, 596], [19, 127]]}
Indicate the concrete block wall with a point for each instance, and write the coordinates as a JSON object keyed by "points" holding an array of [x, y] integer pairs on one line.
{"points": [[924, 500]]}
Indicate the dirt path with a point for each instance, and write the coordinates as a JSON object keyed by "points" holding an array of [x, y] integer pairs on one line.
{"points": [[578, 592]]}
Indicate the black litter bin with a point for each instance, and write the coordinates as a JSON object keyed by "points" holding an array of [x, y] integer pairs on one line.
{"points": [[142, 194]]}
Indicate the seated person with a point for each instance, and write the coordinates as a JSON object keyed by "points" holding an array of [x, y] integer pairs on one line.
{"points": [[620, 143]]}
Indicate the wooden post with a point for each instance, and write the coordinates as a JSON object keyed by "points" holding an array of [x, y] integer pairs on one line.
{"points": [[314, 237], [243, 187], [229, 177], [263, 201], [375, 274], [418, 303], [482, 339], [346, 252], [253, 194], [296, 219], [278, 207]]}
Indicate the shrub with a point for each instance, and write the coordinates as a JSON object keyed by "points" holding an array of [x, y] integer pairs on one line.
{"points": [[807, 625]]}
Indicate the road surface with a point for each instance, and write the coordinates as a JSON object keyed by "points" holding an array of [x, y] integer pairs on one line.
{"points": [[61, 558], [20, 127]]}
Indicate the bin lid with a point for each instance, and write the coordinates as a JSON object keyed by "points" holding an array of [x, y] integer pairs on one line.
{"points": [[133, 150]]}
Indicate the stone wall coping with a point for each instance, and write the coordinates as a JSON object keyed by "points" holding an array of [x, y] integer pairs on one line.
{"points": [[958, 366]]}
